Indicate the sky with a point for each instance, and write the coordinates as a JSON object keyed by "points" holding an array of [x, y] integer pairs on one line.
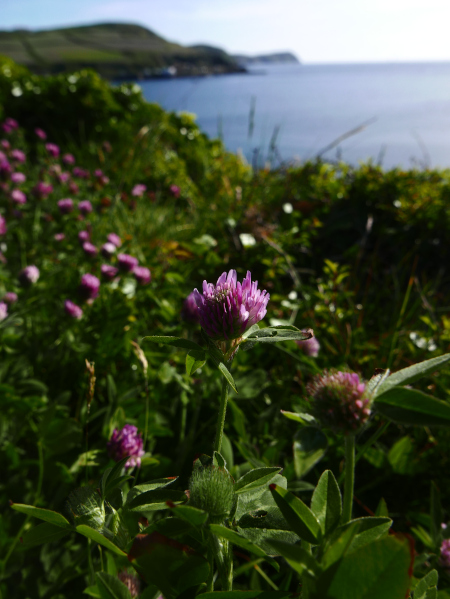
{"points": [[316, 31]]}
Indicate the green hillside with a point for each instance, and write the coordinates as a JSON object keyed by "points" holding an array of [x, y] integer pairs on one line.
{"points": [[114, 50]]}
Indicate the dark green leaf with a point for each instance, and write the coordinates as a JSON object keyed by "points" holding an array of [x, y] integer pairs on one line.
{"points": [[340, 544], [436, 516], [46, 515], [382, 509], [412, 373], [190, 514], [97, 536], [43, 533], [301, 417], [171, 566], [226, 373], [376, 381], [297, 514], [240, 541], [255, 478], [310, 445], [408, 406], [326, 502], [297, 557], [275, 335], [195, 359], [174, 341], [110, 587], [427, 582]]}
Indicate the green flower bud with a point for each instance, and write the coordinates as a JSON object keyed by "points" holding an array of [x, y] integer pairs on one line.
{"points": [[212, 489]]}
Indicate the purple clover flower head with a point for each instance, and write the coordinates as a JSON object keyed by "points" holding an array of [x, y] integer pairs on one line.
{"points": [[115, 239], [10, 297], [127, 263], [52, 149], [5, 144], [29, 275], [89, 286], [445, 554], [83, 236], [3, 310], [108, 249], [310, 347], [18, 156], [10, 125], [63, 177], [175, 191], [138, 190], [226, 310], [18, 196], [126, 442], [131, 581], [42, 190], [18, 178], [142, 275], [65, 206], [81, 173], [72, 310], [189, 312], [98, 173], [68, 159], [89, 249], [3, 227], [59, 236], [108, 272], [5, 167], [339, 401], [85, 207], [40, 133]]}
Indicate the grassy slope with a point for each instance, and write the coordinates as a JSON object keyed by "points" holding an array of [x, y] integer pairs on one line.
{"points": [[114, 49]]}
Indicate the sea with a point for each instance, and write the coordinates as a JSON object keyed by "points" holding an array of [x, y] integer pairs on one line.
{"points": [[391, 114]]}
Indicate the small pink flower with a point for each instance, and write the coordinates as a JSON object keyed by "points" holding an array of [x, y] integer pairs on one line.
{"points": [[52, 149], [115, 239], [3, 227], [5, 144], [126, 262], [138, 190], [59, 236], [29, 275], [108, 249], [18, 156], [10, 297], [42, 190], [3, 310], [89, 249], [108, 272], [40, 133], [142, 275], [175, 191], [68, 159], [18, 196], [63, 177], [89, 286], [126, 442], [18, 178], [73, 188], [81, 173], [83, 236], [65, 206], [310, 347], [73, 310], [85, 207]]}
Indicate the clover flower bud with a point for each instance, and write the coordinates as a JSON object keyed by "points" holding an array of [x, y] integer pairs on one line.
{"points": [[212, 489], [65, 206], [131, 581], [339, 401], [10, 125], [73, 310], [3, 310], [142, 275], [310, 347], [29, 275], [83, 236], [189, 311], [115, 239], [89, 286], [108, 272], [68, 159], [18, 196], [4, 143], [126, 442], [85, 207], [42, 190], [175, 191], [127, 263], [81, 173], [226, 310]]}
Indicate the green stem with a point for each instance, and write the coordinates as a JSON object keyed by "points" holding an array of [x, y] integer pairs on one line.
{"points": [[210, 581], [349, 478], [221, 418], [228, 567]]}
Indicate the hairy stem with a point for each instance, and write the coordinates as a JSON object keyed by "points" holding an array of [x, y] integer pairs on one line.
{"points": [[349, 478], [221, 418]]}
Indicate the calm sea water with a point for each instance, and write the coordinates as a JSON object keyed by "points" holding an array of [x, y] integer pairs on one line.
{"points": [[406, 108]]}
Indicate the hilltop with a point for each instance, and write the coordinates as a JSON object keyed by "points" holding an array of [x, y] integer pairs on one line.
{"points": [[276, 57], [116, 51]]}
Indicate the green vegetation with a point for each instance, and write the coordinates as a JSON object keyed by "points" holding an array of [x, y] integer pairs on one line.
{"points": [[359, 255], [116, 51]]}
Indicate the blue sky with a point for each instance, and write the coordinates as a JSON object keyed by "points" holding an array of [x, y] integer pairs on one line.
{"points": [[315, 30]]}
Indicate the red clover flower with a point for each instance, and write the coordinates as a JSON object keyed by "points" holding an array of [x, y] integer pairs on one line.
{"points": [[310, 347], [126, 442], [339, 401], [40, 133], [18, 196], [189, 312], [108, 249], [29, 275], [10, 297], [108, 272], [52, 149], [85, 207], [18, 178], [3, 310], [89, 249], [65, 206], [138, 190], [126, 262], [18, 156], [89, 286], [226, 310], [445, 554], [73, 310], [142, 275], [3, 227], [115, 239]]}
